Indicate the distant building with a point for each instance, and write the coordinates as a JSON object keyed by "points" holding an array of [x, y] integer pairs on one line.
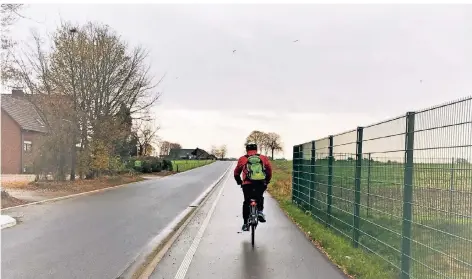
{"points": [[189, 154]]}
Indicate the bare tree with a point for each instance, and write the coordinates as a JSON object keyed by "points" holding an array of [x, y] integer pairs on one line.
{"points": [[222, 151], [166, 146], [264, 144], [273, 143], [175, 145], [9, 14], [219, 152], [98, 72], [258, 138], [214, 151], [145, 135], [53, 153]]}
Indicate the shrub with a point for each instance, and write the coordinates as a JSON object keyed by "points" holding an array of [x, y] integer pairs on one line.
{"points": [[116, 165], [130, 163], [167, 165], [156, 165], [138, 165], [100, 158], [146, 166]]}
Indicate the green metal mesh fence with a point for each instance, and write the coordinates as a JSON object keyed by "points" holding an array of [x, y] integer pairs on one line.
{"points": [[400, 189]]}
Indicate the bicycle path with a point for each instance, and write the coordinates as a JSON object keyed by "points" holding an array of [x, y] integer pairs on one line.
{"points": [[282, 250], [97, 236]]}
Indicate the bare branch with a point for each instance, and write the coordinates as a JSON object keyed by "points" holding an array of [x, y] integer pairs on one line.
{"points": [[258, 138]]}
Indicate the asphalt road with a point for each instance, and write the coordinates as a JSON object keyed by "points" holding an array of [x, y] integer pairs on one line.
{"points": [[282, 251], [97, 236]]}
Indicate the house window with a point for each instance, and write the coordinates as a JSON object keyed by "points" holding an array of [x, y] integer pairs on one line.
{"points": [[27, 146]]}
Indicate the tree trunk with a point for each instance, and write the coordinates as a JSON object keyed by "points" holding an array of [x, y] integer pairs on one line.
{"points": [[272, 153], [73, 160], [61, 174], [83, 144]]}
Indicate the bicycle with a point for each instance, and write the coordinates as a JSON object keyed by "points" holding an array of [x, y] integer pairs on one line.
{"points": [[253, 220]]}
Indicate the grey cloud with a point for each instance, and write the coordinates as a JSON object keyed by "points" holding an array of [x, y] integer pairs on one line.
{"points": [[349, 58]]}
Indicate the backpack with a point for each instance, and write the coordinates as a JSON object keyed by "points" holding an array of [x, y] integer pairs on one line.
{"points": [[255, 168]]}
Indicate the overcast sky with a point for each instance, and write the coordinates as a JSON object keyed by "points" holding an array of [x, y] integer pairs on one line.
{"points": [[352, 64]]}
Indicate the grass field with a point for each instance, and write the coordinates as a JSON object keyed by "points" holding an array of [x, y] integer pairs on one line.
{"points": [[442, 212], [185, 165]]}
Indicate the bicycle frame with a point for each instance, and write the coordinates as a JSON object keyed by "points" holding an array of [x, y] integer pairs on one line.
{"points": [[253, 220]]}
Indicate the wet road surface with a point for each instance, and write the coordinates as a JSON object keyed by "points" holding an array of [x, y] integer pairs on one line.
{"points": [[97, 236], [282, 250]]}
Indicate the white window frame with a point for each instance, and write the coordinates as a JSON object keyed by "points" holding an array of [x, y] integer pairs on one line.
{"points": [[25, 143]]}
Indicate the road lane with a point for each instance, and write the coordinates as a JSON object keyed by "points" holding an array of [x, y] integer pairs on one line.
{"points": [[282, 250], [96, 236]]}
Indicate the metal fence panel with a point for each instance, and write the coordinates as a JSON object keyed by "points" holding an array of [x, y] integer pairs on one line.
{"points": [[401, 189]]}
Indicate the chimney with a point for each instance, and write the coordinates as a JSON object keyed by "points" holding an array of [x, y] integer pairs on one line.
{"points": [[17, 93]]}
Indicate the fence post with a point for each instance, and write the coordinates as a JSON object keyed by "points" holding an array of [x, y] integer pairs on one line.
{"points": [[330, 181], [357, 193], [300, 175], [408, 196], [451, 189], [312, 177], [294, 172], [368, 185]]}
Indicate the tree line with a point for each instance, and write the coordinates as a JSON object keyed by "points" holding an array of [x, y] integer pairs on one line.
{"points": [[94, 93], [219, 152], [166, 146], [266, 142]]}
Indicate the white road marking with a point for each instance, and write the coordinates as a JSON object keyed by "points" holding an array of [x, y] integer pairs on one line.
{"points": [[193, 248]]}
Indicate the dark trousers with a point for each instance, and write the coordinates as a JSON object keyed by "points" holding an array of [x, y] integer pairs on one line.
{"points": [[256, 192]]}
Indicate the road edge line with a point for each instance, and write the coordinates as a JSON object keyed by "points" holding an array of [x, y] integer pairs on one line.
{"points": [[165, 246], [185, 265], [138, 266]]}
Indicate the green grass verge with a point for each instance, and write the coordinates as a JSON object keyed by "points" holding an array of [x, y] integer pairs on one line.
{"points": [[354, 262], [441, 233], [185, 165]]}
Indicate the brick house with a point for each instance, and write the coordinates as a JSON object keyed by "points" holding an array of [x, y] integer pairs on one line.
{"points": [[21, 127]]}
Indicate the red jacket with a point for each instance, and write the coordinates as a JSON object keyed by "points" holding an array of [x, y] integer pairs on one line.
{"points": [[241, 167]]}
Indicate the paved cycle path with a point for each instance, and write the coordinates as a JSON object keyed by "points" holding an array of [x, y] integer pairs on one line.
{"points": [[282, 250]]}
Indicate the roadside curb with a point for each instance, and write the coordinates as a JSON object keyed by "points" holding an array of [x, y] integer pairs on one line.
{"points": [[94, 191], [7, 221], [138, 266]]}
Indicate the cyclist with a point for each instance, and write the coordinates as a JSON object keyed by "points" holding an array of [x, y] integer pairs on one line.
{"points": [[257, 173]]}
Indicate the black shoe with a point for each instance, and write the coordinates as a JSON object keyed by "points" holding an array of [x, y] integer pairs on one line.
{"points": [[261, 217], [245, 228]]}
